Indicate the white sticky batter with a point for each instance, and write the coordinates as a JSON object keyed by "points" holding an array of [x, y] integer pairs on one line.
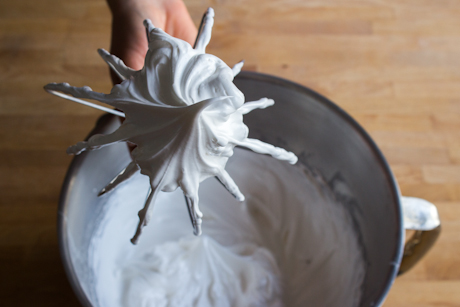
{"points": [[288, 244]]}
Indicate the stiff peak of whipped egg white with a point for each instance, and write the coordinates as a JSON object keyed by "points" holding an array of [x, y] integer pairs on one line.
{"points": [[184, 114]]}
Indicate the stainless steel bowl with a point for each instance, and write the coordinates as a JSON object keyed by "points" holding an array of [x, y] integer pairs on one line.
{"points": [[324, 137]]}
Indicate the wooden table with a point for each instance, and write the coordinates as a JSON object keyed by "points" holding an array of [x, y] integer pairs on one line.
{"points": [[394, 65]]}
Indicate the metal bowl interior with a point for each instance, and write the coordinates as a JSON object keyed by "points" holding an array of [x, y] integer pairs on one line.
{"points": [[325, 139]]}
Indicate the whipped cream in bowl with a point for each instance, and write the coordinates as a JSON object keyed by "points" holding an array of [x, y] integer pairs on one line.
{"points": [[270, 250]]}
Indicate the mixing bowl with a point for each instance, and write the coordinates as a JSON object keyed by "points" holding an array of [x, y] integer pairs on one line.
{"points": [[326, 140]]}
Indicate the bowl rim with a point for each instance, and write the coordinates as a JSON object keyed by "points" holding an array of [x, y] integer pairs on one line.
{"points": [[269, 79]]}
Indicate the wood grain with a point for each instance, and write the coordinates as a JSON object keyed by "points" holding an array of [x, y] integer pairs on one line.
{"points": [[394, 65]]}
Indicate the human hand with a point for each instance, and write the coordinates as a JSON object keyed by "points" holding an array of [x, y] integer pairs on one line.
{"points": [[129, 41]]}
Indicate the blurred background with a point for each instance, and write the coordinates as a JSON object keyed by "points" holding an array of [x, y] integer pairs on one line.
{"points": [[394, 65]]}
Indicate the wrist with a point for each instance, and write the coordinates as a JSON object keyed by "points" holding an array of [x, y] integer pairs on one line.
{"points": [[138, 8], [119, 7]]}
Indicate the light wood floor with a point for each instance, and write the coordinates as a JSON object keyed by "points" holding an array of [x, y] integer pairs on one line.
{"points": [[394, 65]]}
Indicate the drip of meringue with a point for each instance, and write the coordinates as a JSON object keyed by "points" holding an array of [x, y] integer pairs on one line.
{"points": [[184, 114]]}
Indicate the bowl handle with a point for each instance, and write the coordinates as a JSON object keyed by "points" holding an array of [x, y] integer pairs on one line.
{"points": [[421, 216]]}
